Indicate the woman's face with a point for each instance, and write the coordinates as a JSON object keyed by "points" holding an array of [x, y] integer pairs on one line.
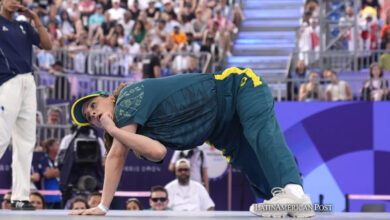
{"points": [[313, 77], [79, 206], [94, 108], [376, 71], [132, 206], [36, 201]]}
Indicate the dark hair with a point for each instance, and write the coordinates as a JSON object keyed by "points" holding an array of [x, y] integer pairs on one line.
{"points": [[79, 199], [36, 193], [48, 144], [136, 201], [372, 66], [158, 188], [108, 139], [94, 194]]}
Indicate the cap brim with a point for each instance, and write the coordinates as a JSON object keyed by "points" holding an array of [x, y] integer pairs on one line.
{"points": [[77, 110]]}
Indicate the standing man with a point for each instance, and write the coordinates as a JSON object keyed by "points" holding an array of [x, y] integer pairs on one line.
{"points": [[18, 94]]}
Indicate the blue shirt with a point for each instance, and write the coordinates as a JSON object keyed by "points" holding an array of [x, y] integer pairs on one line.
{"points": [[16, 40], [48, 184]]}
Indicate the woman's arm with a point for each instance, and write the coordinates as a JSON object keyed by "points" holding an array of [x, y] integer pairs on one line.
{"points": [[113, 170], [147, 147]]}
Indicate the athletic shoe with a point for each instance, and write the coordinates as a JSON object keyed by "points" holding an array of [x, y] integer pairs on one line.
{"points": [[284, 203], [22, 205]]}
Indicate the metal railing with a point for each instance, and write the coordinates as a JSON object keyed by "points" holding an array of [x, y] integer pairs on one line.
{"points": [[94, 62], [289, 89], [340, 61]]}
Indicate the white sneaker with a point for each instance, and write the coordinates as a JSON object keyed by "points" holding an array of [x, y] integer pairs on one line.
{"points": [[284, 203]]}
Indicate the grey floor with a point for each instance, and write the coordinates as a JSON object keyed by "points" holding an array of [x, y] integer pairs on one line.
{"points": [[62, 214]]}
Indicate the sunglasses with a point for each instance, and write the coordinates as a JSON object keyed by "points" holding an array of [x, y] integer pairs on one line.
{"points": [[161, 199], [183, 170]]}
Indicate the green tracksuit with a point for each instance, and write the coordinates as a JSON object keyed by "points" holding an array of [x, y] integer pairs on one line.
{"points": [[232, 109]]}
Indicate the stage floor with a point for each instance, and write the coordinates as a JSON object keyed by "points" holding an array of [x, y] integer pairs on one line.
{"points": [[62, 214]]}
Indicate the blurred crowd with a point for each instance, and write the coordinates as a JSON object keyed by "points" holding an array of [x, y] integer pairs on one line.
{"points": [[368, 38], [161, 27]]}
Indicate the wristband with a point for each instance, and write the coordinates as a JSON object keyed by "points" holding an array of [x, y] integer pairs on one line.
{"points": [[103, 208]]}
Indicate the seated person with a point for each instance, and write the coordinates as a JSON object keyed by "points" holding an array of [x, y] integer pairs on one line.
{"points": [[185, 194], [79, 203], [158, 199], [94, 199], [37, 200], [133, 204]]}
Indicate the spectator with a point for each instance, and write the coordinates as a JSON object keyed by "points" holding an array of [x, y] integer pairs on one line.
{"points": [[86, 8], [50, 172], [298, 77], [159, 33], [133, 204], [106, 26], [214, 33], [238, 15], [181, 63], [312, 90], [79, 203], [127, 23], [372, 3], [6, 203], [139, 31], [385, 39], [338, 90], [177, 36], [192, 46], [62, 87], [54, 116], [45, 59], [369, 32], [185, 194], [117, 34], [168, 8], [53, 119], [37, 200], [116, 12], [152, 12], [199, 165], [309, 42], [384, 62], [185, 24], [158, 200], [376, 88], [151, 64], [347, 29], [210, 47], [312, 6], [134, 10], [94, 199], [67, 26], [95, 21], [190, 4], [199, 25]]}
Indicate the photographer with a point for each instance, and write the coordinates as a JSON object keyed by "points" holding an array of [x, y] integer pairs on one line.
{"points": [[80, 162]]}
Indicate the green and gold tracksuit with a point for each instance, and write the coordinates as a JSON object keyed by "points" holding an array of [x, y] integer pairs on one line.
{"points": [[232, 109]]}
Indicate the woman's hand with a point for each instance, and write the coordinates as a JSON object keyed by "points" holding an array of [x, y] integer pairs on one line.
{"points": [[107, 121], [91, 211]]}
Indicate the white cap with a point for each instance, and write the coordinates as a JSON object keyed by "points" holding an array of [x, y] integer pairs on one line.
{"points": [[113, 1], [183, 161]]}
